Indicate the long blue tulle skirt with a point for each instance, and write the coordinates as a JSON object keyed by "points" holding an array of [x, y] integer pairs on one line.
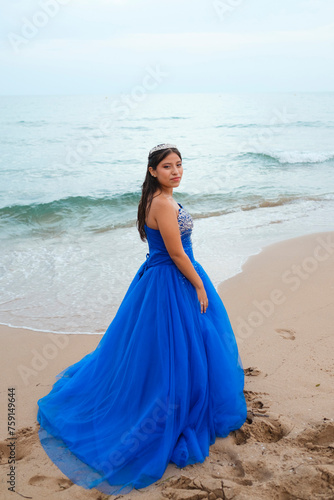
{"points": [[163, 382]]}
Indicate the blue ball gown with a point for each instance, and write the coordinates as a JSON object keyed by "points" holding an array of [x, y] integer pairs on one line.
{"points": [[162, 383]]}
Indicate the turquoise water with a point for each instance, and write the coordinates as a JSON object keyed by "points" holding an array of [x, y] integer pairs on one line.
{"points": [[258, 168]]}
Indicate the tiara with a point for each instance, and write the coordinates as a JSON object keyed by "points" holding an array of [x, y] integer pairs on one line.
{"points": [[161, 146]]}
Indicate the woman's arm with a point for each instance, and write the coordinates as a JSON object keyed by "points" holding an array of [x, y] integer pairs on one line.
{"points": [[164, 214]]}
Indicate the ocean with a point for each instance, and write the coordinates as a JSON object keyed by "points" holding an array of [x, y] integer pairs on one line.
{"points": [[258, 168]]}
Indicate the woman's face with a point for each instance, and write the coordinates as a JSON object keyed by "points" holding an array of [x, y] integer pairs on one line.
{"points": [[169, 171]]}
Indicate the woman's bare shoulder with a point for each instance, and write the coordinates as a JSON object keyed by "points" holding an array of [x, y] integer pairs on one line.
{"points": [[163, 205], [160, 206]]}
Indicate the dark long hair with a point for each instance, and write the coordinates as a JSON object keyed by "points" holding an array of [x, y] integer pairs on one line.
{"points": [[149, 187]]}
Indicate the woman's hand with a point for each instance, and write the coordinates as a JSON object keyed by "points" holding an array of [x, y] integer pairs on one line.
{"points": [[202, 297]]}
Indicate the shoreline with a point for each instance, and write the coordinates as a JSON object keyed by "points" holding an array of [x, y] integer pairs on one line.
{"points": [[281, 309], [237, 271], [210, 267]]}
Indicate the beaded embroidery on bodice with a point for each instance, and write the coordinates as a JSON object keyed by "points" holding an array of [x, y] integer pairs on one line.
{"points": [[185, 221]]}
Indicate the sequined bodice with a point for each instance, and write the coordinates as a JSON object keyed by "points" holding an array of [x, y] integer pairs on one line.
{"points": [[185, 220], [158, 253]]}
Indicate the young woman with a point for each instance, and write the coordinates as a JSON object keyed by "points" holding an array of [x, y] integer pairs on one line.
{"points": [[166, 378]]}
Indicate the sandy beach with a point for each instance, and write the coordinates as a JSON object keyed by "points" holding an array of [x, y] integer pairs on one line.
{"points": [[281, 307]]}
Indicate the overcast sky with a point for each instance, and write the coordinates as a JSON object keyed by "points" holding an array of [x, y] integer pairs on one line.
{"points": [[109, 46]]}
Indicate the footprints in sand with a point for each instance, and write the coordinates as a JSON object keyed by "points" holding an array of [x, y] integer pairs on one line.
{"points": [[25, 438], [318, 438], [263, 459], [312, 467], [306, 462], [4, 452], [252, 371], [268, 430], [287, 334], [185, 488], [54, 483], [259, 426]]}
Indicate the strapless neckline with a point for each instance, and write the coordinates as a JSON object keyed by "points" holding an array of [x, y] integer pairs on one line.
{"points": [[153, 229]]}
